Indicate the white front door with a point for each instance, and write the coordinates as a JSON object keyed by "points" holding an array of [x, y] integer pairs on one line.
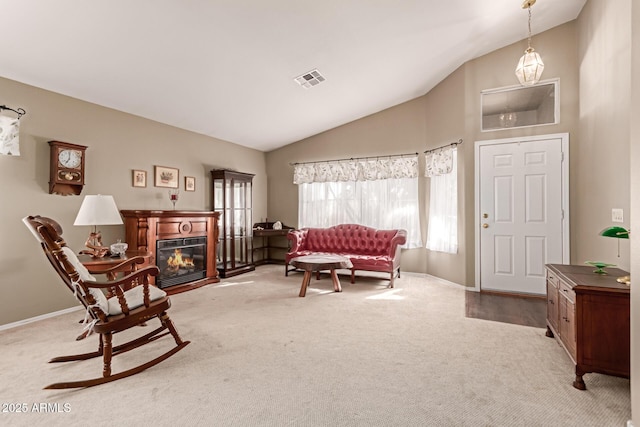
{"points": [[522, 212]]}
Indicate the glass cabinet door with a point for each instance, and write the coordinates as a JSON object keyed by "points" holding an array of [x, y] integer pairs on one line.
{"points": [[232, 198]]}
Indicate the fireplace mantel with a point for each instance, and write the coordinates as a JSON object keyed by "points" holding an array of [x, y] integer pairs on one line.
{"points": [[143, 229]]}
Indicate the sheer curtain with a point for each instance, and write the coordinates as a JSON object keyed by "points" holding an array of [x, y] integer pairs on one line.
{"points": [[379, 193], [441, 168]]}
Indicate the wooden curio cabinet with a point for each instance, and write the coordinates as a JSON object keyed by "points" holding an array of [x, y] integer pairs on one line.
{"points": [[232, 192]]}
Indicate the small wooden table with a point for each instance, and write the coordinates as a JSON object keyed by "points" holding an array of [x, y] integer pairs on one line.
{"points": [[311, 263], [102, 265]]}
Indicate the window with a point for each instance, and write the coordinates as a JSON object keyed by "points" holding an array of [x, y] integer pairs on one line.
{"points": [[441, 168], [380, 193]]}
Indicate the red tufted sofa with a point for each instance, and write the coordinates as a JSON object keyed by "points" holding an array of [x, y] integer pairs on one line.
{"points": [[367, 248]]}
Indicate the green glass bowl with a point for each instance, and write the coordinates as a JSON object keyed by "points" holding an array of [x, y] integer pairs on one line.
{"points": [[600, 266]]}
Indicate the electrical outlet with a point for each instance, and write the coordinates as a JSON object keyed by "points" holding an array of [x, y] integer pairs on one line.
{"points": [[617, 215]]}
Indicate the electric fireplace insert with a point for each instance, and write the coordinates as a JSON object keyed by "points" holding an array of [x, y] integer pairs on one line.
{"points": [[181, 260]]}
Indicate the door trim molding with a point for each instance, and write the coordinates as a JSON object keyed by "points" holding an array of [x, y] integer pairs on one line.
{"points": [[564, 141]]}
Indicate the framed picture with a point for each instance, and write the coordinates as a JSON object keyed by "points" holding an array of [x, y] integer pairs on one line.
{"points": [[139, 178], [189, 183], [166, 177]]}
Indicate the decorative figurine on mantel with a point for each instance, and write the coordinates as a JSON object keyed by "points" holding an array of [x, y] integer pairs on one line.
{"points": [[173, 197]]}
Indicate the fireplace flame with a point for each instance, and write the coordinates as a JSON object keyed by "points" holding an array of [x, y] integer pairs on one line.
{"points": [[176, 261]]}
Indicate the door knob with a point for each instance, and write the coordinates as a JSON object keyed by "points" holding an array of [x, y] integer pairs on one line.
{"points": [[485, 225]]}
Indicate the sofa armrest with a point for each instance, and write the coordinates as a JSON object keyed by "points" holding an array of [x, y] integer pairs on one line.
{"points": [[398, 240], [297, 238]]}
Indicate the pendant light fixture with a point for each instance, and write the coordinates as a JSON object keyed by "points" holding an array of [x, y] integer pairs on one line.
{"points": [[530, 66]]}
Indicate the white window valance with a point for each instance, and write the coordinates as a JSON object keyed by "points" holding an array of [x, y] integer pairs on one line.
{"points": [[369, 169], [439, 162]]}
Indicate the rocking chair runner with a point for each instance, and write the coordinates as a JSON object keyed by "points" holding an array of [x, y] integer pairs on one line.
{"points": [[133, 302]]}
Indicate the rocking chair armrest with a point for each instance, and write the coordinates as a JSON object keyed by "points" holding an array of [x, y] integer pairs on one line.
{"points": [[128, 280], [136, 285], [118, 267]]}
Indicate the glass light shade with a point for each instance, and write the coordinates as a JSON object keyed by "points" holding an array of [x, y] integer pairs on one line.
{"points": [[530, 67], [98, 210], [615, 231]]}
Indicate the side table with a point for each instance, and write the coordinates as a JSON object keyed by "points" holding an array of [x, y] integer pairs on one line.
{"points": [[270, 245], [109, 265]]}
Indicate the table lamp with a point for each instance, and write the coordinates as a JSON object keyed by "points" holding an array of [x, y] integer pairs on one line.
{"points": [[618, 233], [97, 210]]}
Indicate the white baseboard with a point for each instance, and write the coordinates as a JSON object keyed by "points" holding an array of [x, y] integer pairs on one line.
{"points": [[37, 318]]}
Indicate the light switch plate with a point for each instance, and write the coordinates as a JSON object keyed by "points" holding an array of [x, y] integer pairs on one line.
{"points": [[617, 215]]}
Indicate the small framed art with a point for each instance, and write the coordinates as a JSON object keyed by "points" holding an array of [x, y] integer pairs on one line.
{"points": [[166, 177], [189, 183], [139, 178]]}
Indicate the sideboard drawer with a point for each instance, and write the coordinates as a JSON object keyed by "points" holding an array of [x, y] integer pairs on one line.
{"points": [[553, 280], [568, 292]]}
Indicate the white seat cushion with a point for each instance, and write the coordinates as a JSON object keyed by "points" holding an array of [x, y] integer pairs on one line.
{"points": [[134, 298]]}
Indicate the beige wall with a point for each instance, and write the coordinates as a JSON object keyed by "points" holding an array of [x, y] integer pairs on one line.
{"points": [[118, 143], [635, 211], [601, 170], [447, 113], [609, 57]]}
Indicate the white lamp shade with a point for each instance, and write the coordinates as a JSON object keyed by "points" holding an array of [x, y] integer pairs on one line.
{"points": [[530, 67], [98, 210]]}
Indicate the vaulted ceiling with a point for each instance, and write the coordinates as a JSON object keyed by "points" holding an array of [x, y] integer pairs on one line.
{"points": [[226, 68]]}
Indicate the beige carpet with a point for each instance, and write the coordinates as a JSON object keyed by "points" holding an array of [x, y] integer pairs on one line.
{"points": [[262, 356]]}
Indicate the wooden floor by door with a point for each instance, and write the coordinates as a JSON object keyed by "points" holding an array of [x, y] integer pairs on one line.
{"points": [[521, 212]]}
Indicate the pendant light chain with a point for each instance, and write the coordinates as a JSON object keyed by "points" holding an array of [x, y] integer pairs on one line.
{"points": [[529, 41]]}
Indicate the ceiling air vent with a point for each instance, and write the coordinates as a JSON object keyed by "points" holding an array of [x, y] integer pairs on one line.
{"points": [[312, 78]]}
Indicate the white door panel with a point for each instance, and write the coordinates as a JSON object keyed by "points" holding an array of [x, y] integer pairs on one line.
{"points": [[520, 208]]}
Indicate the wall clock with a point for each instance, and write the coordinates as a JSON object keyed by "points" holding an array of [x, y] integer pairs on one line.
{"points": [[66, 170]]}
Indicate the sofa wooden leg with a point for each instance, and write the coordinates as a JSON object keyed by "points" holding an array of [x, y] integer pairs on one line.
{"points": [[353, 276], [393, 276]]}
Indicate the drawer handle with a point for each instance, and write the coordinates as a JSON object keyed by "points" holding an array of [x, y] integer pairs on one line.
{"points": [[551, 301]]}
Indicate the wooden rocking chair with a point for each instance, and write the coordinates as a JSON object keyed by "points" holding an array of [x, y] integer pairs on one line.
{"points": [[133, 302]]}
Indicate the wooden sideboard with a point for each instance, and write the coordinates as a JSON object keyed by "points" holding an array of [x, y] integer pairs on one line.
{"points": [[589, 315], [144, 228]]}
